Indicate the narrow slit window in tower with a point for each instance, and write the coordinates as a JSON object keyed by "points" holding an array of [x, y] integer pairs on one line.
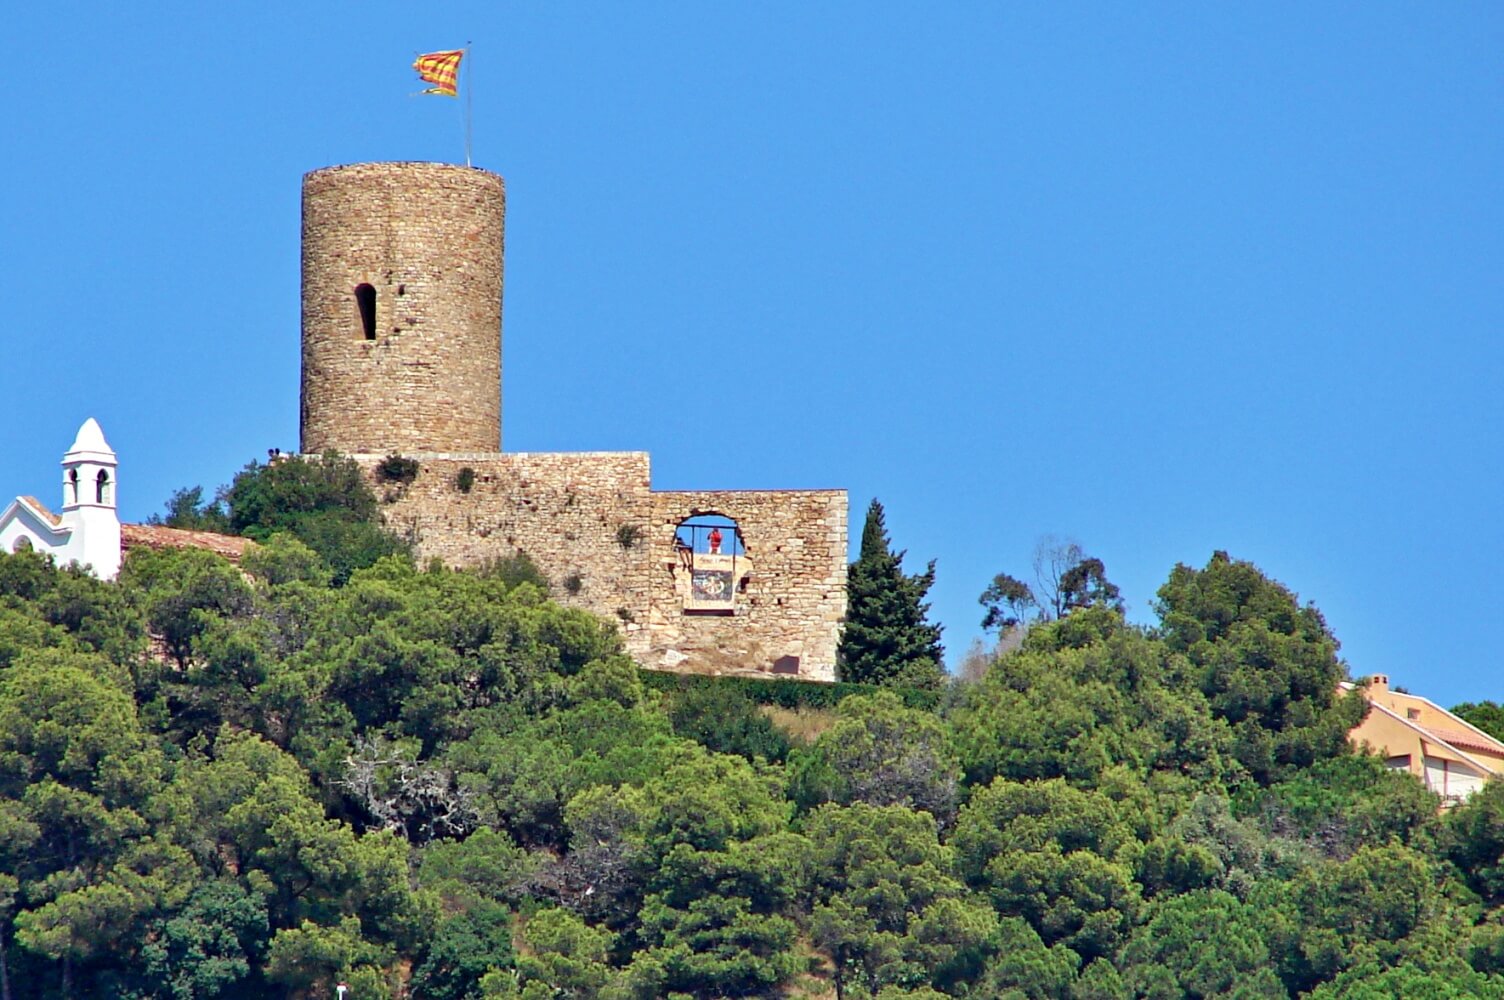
{"points": [[365, 298]]}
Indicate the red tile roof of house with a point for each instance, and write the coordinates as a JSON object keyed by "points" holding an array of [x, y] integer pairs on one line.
{"points": [[156, 536], [1463, 740]]}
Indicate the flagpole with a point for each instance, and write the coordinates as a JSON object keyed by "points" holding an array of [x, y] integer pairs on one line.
{"points": [[469, 100]]}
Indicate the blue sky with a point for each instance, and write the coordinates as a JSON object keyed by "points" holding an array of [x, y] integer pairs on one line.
{"points": [[1162, 278]]}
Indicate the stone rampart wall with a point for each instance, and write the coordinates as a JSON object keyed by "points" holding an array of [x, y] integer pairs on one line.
{"points": [[794, 597], [593, 525]]}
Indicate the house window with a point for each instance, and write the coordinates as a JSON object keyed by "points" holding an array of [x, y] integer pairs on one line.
{"points": [[72, 486], [1412, 714], [102, 487], [22, 544], [365, 301]]}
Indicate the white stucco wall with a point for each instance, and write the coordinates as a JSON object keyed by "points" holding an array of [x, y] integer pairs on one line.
{"points": [[89, 528]]}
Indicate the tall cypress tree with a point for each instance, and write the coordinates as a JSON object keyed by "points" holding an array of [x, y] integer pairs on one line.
{"points": [[887, 638]]}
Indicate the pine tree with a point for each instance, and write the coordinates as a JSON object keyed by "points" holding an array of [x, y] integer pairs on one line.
{"points": [[887, 638]]}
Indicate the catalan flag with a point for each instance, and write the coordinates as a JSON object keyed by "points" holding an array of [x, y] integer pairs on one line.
{"points": [[442, 69]]}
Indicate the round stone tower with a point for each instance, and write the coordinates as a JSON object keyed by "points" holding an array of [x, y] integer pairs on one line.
{"points": [[402, 276]]}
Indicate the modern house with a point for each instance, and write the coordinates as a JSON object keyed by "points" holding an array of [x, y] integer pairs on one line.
{"points": [[1450, 756]]}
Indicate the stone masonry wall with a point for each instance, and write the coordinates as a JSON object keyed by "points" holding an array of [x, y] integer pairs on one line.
{"points": [[564, 510], [794, 597], [592, 524], [427, 237]]}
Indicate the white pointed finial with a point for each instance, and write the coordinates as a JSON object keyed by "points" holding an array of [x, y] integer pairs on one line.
{"points": [[90, 441]]}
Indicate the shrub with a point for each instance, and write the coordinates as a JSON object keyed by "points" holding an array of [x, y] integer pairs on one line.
{"points": [[790, 694], [323, 500], [724, 719], [396, 469], [465, 481], [513, 570], [188, 510]]}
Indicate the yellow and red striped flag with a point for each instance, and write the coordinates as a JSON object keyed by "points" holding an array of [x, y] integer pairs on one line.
{"points": [[442, 69]]}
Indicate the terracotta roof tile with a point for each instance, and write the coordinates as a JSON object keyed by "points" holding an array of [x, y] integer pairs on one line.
{"points": [[41, 508], [156, 536], [1463, 739]]}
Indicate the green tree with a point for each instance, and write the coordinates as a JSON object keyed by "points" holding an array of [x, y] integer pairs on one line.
{"points": [[717, 946], [44, 605], [264, 498], [1056, 856], [187, 509], [311, 953], [717, 920], [887, 638], [324, 501], [185, 590], [207, 947], [1100, 981], [1066, 579], [881, 753], [487, 864], [1009, 603], [709, 801], [902, 993], [1086, 693], [1474, 842], [95, 614], [952, 939], [1378, 905], [386, 781], [1346, 802], [521, 780], [565, 955], [1267, 665], [1486, 715], [78, 780], [620, 836], [1079, 899], [1030, 816], [1023, 966], [465, 946], [1201, 945], [1085, 585], [1374, 982], [283, 559], [877, 871]]}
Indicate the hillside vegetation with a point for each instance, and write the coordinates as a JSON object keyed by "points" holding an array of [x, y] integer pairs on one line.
{"points": [[435, 784]]}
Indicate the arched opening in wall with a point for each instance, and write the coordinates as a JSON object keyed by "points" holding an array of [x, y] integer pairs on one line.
{"points": [[365, 301], [711, 533], [22, 544], [72, 486], [712, 554], [102, 487]]}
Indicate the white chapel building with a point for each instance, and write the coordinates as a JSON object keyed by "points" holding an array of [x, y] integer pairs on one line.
{"points": [[87, 528]]}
